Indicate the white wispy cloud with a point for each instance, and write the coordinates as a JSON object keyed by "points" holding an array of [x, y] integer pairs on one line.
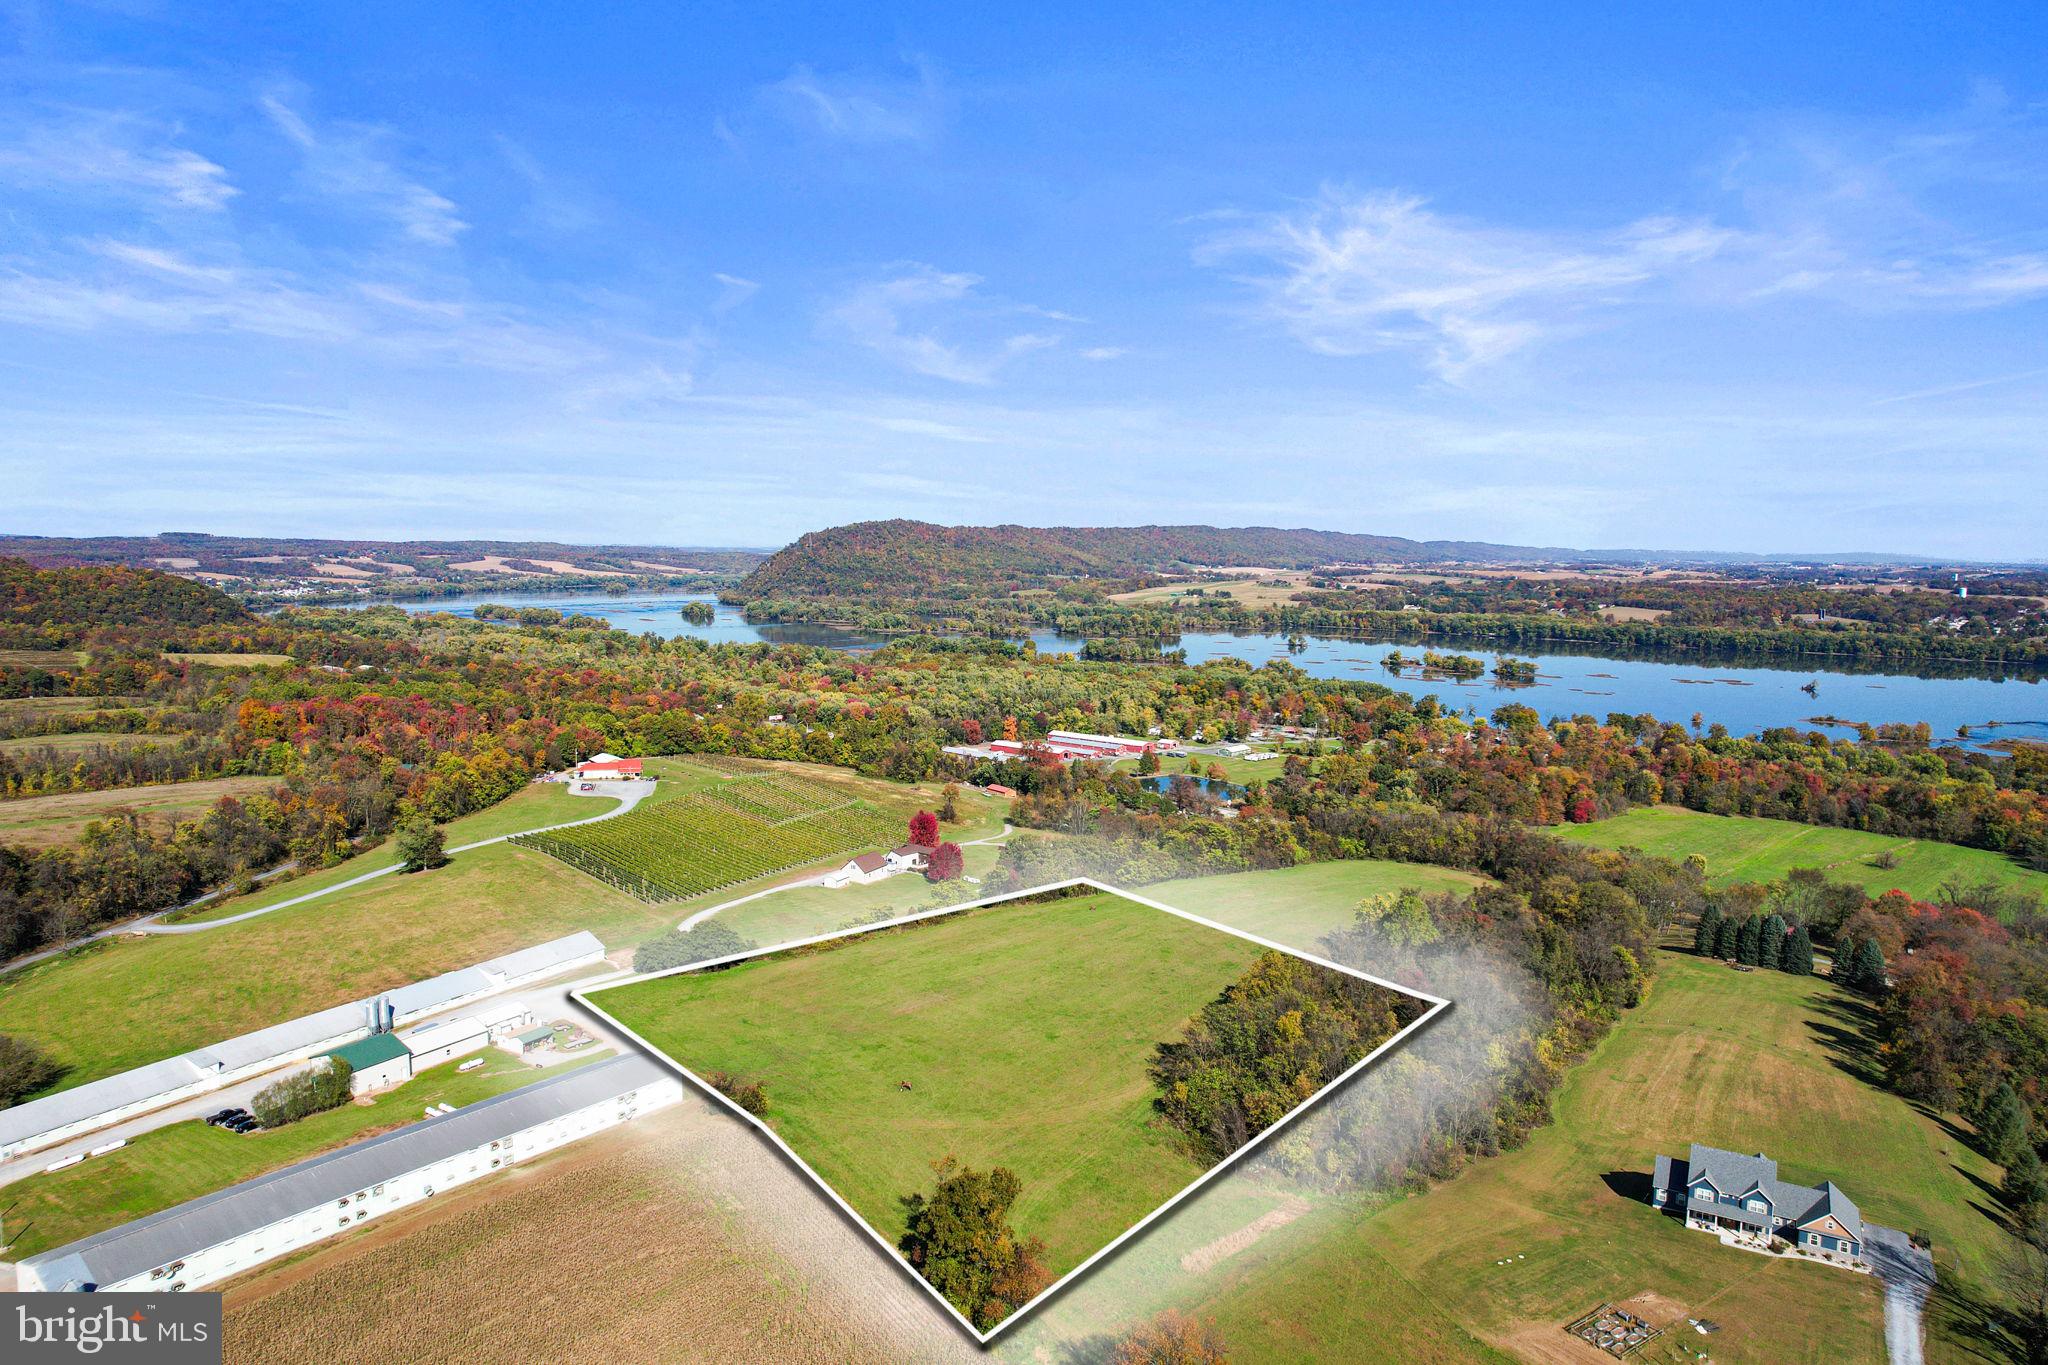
{"points": [[733, 291], [1355, 272], [96, 149], [1104, 353], [113, 284], [553, 203], [355, 163], [857, 108], [899, 317]]}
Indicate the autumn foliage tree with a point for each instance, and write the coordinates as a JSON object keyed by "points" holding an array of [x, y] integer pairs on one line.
{"points": [[924, 829], [961, 1241], [1172, 1338], [945, 863]]}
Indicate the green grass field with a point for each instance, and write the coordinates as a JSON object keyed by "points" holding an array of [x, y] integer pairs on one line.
{"points": [[1740, 848], [41, 658], [233, 660], [531, 807], [81, 740], [44, 821], [20, 708], [802, 911], [1297, 906], [1750, 1061], [122, 1002], [1025, 1030], [182, 1161]]}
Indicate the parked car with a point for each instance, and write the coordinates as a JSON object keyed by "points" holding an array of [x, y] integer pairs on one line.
{"points": [[216, 1120]]}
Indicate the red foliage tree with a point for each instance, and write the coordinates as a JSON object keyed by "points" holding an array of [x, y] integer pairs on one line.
{"points": [[924, 828], [946, 863]]}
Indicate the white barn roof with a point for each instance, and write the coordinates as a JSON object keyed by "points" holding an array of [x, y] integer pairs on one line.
{"points": [[305, 1034], [441, 1035], [559, 952], [141, 1246]]}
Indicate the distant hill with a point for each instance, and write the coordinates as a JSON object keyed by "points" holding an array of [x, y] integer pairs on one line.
{"points": [[342, 561], [108, 595], [916, 557]]}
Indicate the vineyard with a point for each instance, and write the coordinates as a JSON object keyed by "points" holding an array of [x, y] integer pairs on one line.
{"points": [[711, 839]]}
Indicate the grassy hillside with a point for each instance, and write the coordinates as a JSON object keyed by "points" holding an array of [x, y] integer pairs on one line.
{"points": [[123, 1002], [1751, 1061], [1025, 1031], [1741, 848], [135, 999]]}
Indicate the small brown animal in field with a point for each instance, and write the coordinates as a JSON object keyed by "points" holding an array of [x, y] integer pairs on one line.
{"points": [[903, 1085]]}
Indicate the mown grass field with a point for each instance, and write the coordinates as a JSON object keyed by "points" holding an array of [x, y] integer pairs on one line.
{"points": [[122, 1002], [531, 807], [1025, 1031], [41, 658], [81, 740], [1741, 848], [182, 1161], [232, 660], [1749, 1061], [1297, 906], [45, 821], [1267, 590], [20, 708], [136, 999], [802, 911]]}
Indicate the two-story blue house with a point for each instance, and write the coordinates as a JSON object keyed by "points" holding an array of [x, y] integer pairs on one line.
{"points": [[1717, 1191]]}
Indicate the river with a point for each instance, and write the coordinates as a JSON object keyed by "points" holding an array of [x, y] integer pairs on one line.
{"points": [[1745, 698]]}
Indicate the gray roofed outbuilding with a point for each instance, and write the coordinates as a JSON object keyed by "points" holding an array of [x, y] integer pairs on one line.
{"points": [[141, 1246]]}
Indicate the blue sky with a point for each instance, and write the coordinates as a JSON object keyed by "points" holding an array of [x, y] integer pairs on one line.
{"points": [[703, 275]]}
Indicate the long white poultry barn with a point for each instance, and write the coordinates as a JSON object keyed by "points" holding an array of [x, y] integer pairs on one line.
{"points": [[224, 1234], [83, 1108]]}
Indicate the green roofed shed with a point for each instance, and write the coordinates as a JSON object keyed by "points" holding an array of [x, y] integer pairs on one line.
{"points": [[366, 1053]]}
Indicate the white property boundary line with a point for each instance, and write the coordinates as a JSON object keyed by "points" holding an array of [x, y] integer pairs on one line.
{"points": [[1437, 1005]]}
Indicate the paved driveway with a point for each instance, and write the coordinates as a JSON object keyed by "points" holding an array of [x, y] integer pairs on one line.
{"points": [[1908, 1275]]}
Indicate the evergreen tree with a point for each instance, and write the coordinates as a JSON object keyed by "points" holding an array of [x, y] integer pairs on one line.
{"points": [[2003, 1124], [1747, 939], [1798, 958], [1770, 948], [1706, 935], [1724, 941], [2026, 1186], [1869, 970], [1844, 970]]}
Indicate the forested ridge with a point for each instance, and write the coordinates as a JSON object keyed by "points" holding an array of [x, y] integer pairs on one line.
{"points": [[45, 608], [920, 558]]}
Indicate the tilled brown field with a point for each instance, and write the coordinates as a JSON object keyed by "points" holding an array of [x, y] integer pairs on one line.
{"points": [[628, 1246]]}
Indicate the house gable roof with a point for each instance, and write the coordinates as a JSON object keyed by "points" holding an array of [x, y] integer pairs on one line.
{"points": [[1735, 1174]]}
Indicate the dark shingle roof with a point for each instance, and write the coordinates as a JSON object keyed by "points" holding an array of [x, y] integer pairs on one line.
{"points": [[1734, 1173]]}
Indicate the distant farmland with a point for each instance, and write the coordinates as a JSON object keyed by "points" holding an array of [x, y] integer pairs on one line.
{"points": [[1742, 848]]}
